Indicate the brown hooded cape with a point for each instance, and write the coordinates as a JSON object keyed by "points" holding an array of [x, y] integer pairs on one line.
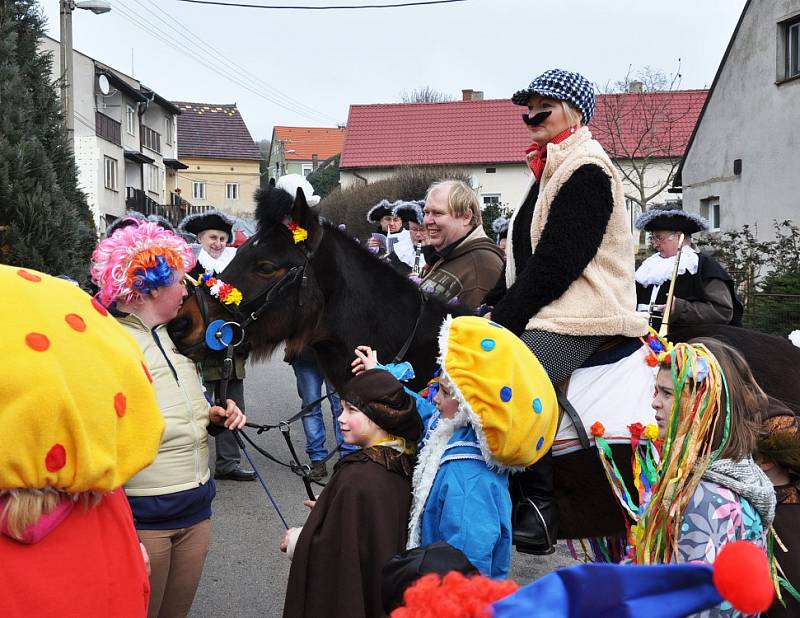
{"points": [[359, 522]]}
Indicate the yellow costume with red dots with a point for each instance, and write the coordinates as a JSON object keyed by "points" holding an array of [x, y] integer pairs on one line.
{"points": [[77, 414]]}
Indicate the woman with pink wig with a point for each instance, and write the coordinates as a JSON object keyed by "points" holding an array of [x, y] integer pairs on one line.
{"points": [[140, 272]]}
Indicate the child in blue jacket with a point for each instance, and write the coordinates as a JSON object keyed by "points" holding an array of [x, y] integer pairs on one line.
{"points": [[495, 412]]}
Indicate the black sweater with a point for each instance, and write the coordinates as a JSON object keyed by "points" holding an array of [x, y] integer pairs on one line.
{"points": [[572, 234]]}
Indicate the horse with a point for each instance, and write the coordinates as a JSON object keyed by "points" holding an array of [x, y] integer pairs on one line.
{"points": [[306, 283]]}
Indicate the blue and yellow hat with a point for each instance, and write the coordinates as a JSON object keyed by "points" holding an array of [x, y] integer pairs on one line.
{"points": [[503, 388]]}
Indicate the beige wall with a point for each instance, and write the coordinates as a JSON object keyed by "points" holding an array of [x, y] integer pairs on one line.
{"points": [[217, 173]]}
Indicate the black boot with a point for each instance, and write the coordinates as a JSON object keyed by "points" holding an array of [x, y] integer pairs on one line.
{"points": [[535, 517]]}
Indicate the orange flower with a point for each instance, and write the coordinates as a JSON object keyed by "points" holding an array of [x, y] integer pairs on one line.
{"points": [[598, 430]]}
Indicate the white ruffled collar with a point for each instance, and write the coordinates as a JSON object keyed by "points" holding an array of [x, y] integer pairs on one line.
{"points": [[655, 270], [216, 265]]}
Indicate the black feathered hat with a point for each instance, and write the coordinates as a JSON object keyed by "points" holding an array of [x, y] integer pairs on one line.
{"points": [[379, 395], [380, 210], [209, 220], [500, 227], [133, 217], [409, 211], [671, 219]]}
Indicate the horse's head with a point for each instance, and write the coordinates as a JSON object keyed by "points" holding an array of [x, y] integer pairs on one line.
{"points": [[279, 300]]}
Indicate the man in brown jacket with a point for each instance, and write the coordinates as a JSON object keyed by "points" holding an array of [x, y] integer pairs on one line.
{"points": [[465, 263]]}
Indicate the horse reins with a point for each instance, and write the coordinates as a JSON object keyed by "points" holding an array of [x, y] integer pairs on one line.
{"points": [[243, 321]]}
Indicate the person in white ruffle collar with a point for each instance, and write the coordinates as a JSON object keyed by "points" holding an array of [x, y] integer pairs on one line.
{"points": [[704, 291]]}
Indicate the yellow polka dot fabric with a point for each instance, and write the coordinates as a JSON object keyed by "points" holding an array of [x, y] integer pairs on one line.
{"points": [[77, 409], [505, 386]]}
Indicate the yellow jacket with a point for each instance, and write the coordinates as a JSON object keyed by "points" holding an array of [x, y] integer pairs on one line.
{"points": [[182, 460]]}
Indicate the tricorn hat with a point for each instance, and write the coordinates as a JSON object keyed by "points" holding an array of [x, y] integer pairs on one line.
{"points": [[379, 395], [409, 211], [380, 210], [210, 220], [671, 219], [134, 216]]}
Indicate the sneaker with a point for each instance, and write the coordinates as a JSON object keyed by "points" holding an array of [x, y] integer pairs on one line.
{"points": [[318, 471]]}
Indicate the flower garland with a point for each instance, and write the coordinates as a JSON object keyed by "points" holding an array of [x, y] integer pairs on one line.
{"points": [[225, 292], [299, 234]]}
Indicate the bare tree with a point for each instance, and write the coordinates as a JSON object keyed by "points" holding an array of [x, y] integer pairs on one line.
{"points": [[643, 125], [426, 94]]}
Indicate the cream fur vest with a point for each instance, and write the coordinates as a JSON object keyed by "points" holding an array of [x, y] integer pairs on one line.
{"points": [[602, 301]]}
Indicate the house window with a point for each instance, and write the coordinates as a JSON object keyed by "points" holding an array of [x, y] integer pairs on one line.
{"points": [[793, 49], [198, 190], [130, 120], [169, 129], [232, 191], [307, 169], [491, 199], [152, 179], [110, 173], [491, 170], [709, 208], [151, 139]]}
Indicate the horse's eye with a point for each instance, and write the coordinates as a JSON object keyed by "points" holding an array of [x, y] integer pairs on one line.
{"points": [[266, 268]]}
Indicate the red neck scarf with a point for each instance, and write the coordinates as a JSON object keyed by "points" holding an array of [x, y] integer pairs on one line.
{"points": [[537, 156]]}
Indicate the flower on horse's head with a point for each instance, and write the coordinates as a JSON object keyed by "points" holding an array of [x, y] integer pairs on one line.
{"points": [[225, 292], [598, 430], [299, 234]]}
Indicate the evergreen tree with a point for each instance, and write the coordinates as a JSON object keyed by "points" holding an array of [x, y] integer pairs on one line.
{"points": [[45, 222]]}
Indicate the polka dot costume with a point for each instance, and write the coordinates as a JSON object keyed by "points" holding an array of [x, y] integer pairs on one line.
{"points": [[509, 398], [77, 410]]}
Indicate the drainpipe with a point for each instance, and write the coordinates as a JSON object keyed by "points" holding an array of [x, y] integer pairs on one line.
{"points": [[360, 177]]}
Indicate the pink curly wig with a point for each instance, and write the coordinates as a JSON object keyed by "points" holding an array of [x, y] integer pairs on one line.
{"points": [[137, 259], [453, 596]]}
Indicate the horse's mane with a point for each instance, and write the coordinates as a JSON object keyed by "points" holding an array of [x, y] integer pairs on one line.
{"points": [[272, 206]]}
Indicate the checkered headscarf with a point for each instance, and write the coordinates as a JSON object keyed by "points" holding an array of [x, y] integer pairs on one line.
{"points": [[564, 86]]}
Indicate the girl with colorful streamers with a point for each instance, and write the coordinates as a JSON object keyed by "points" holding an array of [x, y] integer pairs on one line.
{"points": [[709, 490]]}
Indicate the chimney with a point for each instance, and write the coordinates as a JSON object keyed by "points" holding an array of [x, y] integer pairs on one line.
{"points": [[635, 86], [466, 95]]}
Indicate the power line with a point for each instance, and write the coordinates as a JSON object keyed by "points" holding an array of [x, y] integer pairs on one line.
{"points": [[323, 8], [222, 71], [205, 47]]}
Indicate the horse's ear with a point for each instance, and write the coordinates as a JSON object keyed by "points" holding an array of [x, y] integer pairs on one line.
{"points": [[271, 182], [305, 216]]}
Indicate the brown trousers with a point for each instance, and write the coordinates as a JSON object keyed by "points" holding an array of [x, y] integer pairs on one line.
{"points": [[176, 564]]}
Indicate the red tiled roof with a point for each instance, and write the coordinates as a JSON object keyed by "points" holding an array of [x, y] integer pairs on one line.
{"points": [[308, 141], [212, 131], [491, 131]]}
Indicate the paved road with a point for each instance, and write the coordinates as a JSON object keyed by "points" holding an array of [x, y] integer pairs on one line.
{"points": [[245, 574]]}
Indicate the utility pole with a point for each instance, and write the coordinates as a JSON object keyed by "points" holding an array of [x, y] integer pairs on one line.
{"points": [[66, 7], [67, 91]]}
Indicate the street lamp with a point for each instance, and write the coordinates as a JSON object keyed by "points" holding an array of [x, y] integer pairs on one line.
{"points": [[66, 7]]}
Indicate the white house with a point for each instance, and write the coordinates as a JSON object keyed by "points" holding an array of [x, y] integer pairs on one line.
{"points": [[125, 141], [486, 139], [742, 161]]}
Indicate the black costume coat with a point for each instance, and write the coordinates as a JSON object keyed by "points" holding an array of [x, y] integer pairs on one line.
{"points": [[692, 288], [359, 522]]}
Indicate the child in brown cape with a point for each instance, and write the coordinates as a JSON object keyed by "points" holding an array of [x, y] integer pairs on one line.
{"points": [[360, 520]]}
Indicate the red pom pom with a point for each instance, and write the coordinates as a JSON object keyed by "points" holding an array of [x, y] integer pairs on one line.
{"points": [[742, 576]]}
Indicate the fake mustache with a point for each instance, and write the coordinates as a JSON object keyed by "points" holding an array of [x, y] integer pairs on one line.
{"points": [[536, 120]]}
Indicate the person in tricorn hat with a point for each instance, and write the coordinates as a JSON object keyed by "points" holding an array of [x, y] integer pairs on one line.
{"points": [[359, 521], [214, 230], [704, 292]]}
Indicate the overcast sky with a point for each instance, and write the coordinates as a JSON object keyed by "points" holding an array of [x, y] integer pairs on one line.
{"points": [[306, 68]]}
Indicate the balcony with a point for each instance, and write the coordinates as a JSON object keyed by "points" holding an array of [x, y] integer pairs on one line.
{"points": [[107, 128], [135, 199]]}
